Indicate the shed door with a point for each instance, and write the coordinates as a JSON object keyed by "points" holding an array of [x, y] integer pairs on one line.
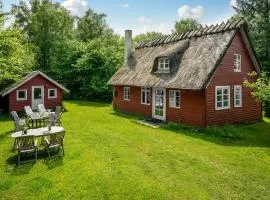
{"points": [[37, 96]]}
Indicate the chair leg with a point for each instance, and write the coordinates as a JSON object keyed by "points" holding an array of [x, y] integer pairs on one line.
{"points": [[63, 150], [36, 155], [19, 157]]}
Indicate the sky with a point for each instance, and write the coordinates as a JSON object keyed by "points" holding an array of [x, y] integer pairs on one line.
{"points": [[149, 15]]}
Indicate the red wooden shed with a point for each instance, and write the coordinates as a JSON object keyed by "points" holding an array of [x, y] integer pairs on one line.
{"points": [[33, 89]]}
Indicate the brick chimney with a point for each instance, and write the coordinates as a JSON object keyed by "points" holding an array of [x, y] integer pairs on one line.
{"points": [[128, 45]]}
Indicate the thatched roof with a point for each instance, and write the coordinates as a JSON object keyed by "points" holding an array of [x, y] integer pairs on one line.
{"points": [[193, 58]]}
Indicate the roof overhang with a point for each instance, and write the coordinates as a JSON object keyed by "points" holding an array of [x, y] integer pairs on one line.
{"points": [[29, 78], [250, 49]]}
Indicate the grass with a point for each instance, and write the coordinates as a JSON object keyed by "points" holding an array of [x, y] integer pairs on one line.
{"points": [[110, 156]]}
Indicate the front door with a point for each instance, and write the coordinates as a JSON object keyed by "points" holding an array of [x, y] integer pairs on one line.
{"points": [[159, 103], [37, 96]]}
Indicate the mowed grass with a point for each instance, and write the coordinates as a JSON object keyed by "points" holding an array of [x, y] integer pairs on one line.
{"points": [[110, 156]]}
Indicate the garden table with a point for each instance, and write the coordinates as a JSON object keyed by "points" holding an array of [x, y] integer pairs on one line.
{"points": [[39, 132]]}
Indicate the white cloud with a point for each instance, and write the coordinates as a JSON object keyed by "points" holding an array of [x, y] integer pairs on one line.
{"points": [[186, 11], [125, 5], [197, 11], [144, 20], [76, 7]]}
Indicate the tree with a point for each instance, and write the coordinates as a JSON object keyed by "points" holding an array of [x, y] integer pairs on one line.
{"points": [[92, 25], [261, 90], [257, 14], [149, 36], [185, 25], [45, 24], [16, 57]]}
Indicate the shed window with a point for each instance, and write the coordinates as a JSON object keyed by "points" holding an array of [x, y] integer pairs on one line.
{"points": [[163, 63], [52, 93], [126, 93], [237, 96], [21, 95], [222, 97], [174, 98], [145, 95], [237, 62]]}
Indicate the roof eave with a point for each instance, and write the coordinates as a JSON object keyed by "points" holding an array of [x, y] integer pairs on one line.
{"points": [[34, 75]]}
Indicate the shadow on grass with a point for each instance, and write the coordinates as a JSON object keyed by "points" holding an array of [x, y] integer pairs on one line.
{"points": [[24, 168], [88, 103], [251, 135]]}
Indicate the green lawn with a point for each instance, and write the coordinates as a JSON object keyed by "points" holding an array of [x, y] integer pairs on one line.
{"points": [[109, 156]]}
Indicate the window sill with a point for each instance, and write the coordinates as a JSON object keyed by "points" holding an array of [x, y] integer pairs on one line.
{"points": [[146, 104], [21, 99], [223, 108]]}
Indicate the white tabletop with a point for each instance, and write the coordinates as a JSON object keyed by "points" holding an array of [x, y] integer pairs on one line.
{"points": [[38, 132]]}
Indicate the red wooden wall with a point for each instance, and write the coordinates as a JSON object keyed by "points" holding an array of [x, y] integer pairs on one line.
{"points": [[36, 81]]}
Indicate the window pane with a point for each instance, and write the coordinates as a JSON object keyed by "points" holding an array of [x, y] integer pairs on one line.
{"points": [[219, 98], [225, 97], [225, 91], [219, 104], [51, 93], [237, 102], [22, 94], [219, 91], [225, 103]]}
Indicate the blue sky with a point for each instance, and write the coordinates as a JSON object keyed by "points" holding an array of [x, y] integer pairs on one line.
{"points": [[149, 15]]}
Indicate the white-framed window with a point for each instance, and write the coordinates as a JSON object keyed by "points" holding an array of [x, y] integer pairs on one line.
{"points": [[163, 63], [174, 98], [237, 62], [21, 95], [52, 93], [222, 97], [126, 93], [237, 96], [145, 95]]}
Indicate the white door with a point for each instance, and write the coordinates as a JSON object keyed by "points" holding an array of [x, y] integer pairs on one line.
{"points": [[37, 96], [159, 103]]}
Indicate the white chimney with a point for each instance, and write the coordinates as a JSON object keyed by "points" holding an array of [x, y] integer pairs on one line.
{"points": [[128, 44]]}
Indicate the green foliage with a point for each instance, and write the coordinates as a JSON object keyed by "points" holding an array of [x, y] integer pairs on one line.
{"points": [[16, 57], [149, 36], [257, 14], [185, 25], [92, 25], [261, 90], [45, 24]]}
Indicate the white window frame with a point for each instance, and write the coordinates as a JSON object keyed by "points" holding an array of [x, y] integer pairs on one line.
{"points": [[17, 95], [172, 98], [55, 93], [127, 93], [164, 63], [222, 96], [237, 62], [240, 96], [145, 90]]}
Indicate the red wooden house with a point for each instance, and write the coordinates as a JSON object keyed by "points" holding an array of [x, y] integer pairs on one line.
{"points": [[194, 78], [33, 89]]}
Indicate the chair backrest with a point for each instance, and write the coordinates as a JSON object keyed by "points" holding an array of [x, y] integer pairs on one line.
{"points": [[15, 116], [58, 110], [25, 142], [28, 110], [57, 138], [41, 108]]}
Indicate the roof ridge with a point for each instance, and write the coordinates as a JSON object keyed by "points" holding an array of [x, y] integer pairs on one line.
{"points": [[201, 31]]}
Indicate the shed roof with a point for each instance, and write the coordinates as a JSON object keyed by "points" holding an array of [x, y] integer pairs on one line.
{"points": [[193, 56], [28, 77]]}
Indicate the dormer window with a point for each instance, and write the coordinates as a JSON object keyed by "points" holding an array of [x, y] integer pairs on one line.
{"points": [[163, 63], [237, 62]]}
